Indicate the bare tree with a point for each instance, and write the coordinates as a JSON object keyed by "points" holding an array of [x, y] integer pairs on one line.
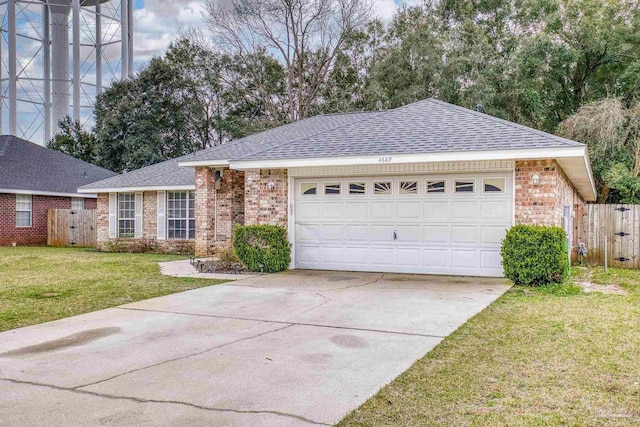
{"points": [[305, 35]]}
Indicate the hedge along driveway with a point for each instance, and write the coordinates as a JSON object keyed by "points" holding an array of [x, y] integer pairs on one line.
{"points": [[40, 284]]}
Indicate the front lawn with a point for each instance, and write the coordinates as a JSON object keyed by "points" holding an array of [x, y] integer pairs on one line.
{"points": [[533, 358], [39, 284]]}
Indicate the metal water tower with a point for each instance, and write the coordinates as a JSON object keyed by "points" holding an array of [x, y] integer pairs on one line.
{"points": [[55, 56]]}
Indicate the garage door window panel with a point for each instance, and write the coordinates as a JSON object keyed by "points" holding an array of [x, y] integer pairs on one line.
{"points": [[357, 188], [382, 188], [493, 185], [308, 188], [408, 187], [437, 186], [332, 188], [464, 186]]}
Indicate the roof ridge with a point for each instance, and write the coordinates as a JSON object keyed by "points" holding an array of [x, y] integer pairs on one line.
{"points": [[364, 119], [547, 135]]}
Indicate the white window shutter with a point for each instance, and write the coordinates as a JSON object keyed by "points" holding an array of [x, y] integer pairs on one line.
{"points": [[138, 224], [162, 223], [113, 215]]}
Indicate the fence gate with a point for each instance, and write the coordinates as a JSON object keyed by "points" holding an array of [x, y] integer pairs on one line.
{"points": [[72, 227], [614, 227]]}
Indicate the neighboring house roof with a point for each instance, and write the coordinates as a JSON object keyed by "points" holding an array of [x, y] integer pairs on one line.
{"points": [[29, 168], [169, 175]]}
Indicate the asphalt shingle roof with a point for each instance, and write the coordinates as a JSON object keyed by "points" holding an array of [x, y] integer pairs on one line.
{"points": [[423, 127], [170, 174], [31, 167], [161, 174], [428, 126]]}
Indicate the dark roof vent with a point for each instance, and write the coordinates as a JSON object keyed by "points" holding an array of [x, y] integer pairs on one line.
{"points": [[480, 108], [85, 174]]}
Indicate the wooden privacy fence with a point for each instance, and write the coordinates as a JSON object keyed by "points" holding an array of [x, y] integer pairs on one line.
{"points": [[72, 227], [611, 233]]}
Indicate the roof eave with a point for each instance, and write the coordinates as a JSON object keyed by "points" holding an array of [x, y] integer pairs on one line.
{"points": [[205, 163], [89, 194], [578, 170]]}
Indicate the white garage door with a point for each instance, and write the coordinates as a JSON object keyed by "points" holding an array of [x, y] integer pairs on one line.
{"points": [[448, 224]]}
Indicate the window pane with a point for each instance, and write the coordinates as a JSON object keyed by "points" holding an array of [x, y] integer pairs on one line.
{"points": [[332, 188], [357, 188], [126, 214], [464, 186], [23, 210], [436, 186], [408, 187], [181, 222], [77, 203], [23, 219], [308, 188], [383, 187], [494, 185]]}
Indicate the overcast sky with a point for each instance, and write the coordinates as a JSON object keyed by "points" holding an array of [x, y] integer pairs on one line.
{"points": [[158, 22]]}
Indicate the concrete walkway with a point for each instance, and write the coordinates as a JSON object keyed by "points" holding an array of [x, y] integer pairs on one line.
{"points": [[288, 349], [183, 268]]}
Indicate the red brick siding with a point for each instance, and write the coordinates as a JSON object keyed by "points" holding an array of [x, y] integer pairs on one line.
{"points": [[37, 233], [264, 205], [542, 204]]}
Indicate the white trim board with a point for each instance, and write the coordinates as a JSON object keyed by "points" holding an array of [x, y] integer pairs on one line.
{"points": [[88, 195], [403, 169]]}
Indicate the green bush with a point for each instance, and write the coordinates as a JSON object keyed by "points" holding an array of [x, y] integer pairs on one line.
{"points": [[535, 255], [262, 247]]}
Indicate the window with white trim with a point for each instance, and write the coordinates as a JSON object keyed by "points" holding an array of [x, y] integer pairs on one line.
{"points": [[181, 215], [493, 185], [77, 203], [126, 215], [408, 187], [332, 188], [382, 187], [437, 186], [24, 210], [309, 188], [464, 186], [358, 188]]}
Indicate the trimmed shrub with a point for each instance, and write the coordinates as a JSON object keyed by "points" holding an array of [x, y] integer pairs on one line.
{"points": [[262, 247], [535, 255]]}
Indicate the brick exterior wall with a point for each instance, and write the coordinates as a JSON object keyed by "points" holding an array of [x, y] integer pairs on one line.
{"points": [[149, 241], [542, 204], [217, 211], [37, 233], [264, 205]]}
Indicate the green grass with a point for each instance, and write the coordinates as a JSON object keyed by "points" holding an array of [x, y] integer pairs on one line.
{"points": [[536, 357], [40, 284]]}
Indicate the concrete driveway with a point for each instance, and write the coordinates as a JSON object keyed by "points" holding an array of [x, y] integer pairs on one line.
{"points": [[296, 348]]}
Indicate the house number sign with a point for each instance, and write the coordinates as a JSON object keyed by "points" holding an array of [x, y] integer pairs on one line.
{"points": [[384, 160]]}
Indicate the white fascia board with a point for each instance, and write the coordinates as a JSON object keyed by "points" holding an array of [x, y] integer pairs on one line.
{"points": [[458, 156], [88, 195], [138, 189], [199, 163]]}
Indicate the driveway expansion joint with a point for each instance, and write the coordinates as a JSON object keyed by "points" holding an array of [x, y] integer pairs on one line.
{"points": [[171, 402], [179, 358], [282, 322]]}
